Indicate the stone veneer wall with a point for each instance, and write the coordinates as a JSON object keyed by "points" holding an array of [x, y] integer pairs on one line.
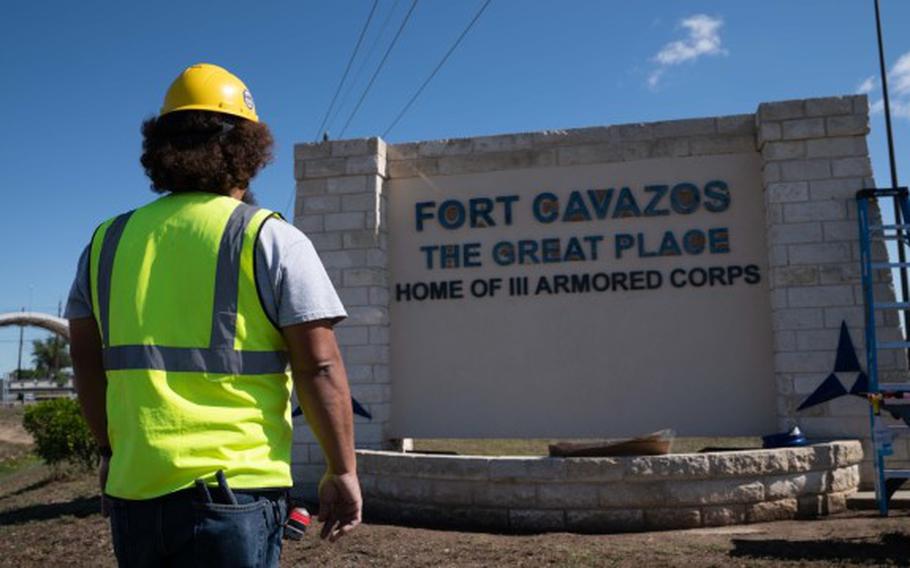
{"points": [[609, 494], [341, 207], [814, 158]]}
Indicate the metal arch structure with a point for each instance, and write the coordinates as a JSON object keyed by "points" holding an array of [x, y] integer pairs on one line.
{"points": [[46, 321]]}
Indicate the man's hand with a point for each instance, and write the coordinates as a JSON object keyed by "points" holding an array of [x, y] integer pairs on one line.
{"points": [[103, 468], [340, 504]]}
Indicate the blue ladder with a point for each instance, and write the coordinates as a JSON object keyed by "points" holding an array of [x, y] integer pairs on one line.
{"points": [[887, 481]]}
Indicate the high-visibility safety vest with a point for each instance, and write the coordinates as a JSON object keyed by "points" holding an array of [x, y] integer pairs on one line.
{"points": [[197, 375]]}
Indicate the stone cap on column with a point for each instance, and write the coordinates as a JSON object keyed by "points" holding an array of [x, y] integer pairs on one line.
{"points": [[801, 119], [333, 158]]}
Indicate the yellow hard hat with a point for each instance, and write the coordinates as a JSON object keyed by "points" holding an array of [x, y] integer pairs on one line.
{"points": [[209, 87]]}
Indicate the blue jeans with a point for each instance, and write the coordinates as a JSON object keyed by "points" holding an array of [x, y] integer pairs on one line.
{"points": [[178, 530]]}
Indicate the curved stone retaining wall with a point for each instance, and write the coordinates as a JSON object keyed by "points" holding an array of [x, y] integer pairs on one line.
{"points": [[530, 494]]}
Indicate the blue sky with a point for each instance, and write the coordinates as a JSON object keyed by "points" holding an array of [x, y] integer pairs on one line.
{"points": [[78, 78]]}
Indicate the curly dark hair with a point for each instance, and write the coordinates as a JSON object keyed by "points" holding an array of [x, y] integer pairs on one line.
{"points": [[194, 150]]}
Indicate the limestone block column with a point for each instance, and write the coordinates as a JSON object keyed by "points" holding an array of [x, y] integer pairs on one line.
{"points": [[341, 207], [815, 159]]}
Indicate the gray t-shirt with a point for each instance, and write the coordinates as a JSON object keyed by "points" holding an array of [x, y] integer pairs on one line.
{"points": [[292, 282]]}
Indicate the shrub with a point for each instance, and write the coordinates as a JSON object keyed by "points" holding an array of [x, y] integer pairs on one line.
{"points": [[61, 433]]}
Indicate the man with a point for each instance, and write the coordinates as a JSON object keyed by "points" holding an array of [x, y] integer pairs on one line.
{"points": [[183, 317]]}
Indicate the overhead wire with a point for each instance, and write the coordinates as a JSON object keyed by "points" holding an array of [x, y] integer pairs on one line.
{"points": [[27, 308], [437, 68], [347, 68], [385, 57], [347, 92], [363, 63]]}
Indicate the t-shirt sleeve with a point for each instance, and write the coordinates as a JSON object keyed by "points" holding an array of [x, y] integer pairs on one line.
{"points": [[79, 302], [293, 284]]}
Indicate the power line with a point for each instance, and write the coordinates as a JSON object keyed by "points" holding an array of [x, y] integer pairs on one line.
{"points": [[288, 206], [347, 68], [438, 67], [47, 308], [378, 69], [363, 63]]}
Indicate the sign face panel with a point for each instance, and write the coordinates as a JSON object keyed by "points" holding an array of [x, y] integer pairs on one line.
{"points": [[586, 301]]}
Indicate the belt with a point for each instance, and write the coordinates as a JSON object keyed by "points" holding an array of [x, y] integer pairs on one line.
{"points": [[270, 493]]}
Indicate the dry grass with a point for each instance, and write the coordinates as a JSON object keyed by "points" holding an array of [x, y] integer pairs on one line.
{"points": [[11, 430], [539, 446], [15, 442]]}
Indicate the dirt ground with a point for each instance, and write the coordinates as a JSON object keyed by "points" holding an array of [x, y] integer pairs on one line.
{"points": [[15, 442], [47, 520], [11, 430]]}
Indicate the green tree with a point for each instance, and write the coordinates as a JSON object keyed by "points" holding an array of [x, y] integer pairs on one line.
{"points": [[25, 374], [50, 356]]}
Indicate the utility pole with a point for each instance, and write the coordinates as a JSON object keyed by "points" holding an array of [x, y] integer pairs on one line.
{"points": [[19, 363], [901, 254], [57, 347]]}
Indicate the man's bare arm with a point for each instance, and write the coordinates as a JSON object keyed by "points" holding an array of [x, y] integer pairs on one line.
{"points": [[324, 395], [90, 380], [323, 392]]}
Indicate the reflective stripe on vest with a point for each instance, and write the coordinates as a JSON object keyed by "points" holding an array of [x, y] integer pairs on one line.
{"points": [[220, 357]]}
